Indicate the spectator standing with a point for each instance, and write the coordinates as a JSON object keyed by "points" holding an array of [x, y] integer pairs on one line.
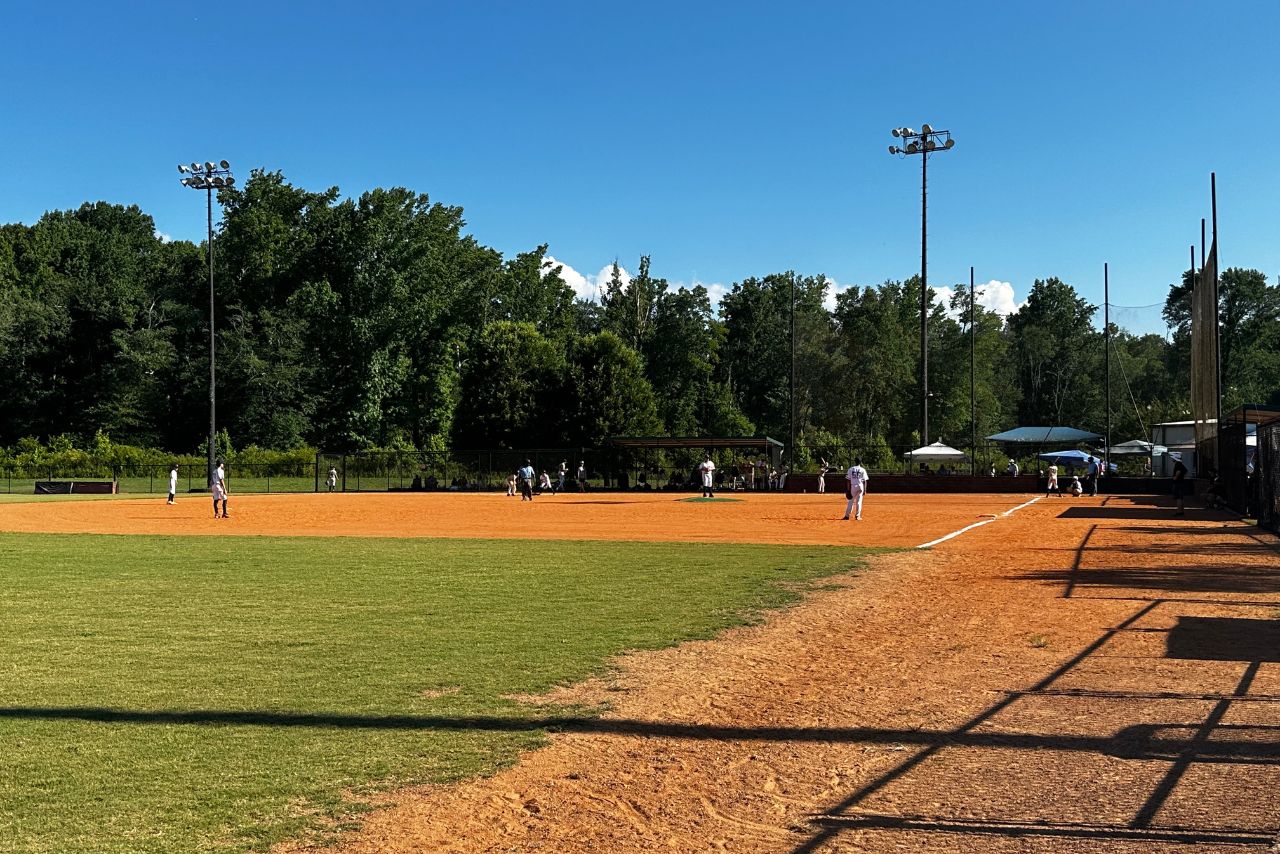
{"points": [[1179, 486], [582, 475]]}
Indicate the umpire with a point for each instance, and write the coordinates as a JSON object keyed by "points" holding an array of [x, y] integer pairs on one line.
{"points": [[526, 475]]}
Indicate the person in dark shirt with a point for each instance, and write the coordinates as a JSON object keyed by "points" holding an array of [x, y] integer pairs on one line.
{"points": [[1179, 487]]}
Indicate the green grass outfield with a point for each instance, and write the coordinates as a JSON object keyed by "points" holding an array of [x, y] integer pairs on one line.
{"points": [[162, 694]]}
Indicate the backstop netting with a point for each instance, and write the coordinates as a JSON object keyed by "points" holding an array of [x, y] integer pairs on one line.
{"points": [[1233, 475], [1266, 476], [1204, 363]]}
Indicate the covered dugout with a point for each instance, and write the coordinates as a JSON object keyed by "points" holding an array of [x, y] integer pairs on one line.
{"points": [[1248, 477], [647, 452]]}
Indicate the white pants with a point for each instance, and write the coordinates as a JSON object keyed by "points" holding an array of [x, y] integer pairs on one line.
{"points": [[822, 482], [852, 503]]}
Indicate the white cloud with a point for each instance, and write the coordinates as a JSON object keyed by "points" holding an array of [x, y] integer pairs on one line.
{"points": [[998, 297], [994, 296], [585, 286], [164, 238], [834, 288], [715, 291]]}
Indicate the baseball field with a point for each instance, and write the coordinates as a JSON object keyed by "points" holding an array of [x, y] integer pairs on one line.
{"points": [[599, 672]]}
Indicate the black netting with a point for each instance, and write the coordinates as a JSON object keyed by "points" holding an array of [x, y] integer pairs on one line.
{"points": [[1266, 474], [1233, 475]]}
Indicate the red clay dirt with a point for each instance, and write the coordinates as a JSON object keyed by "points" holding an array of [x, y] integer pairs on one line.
{"points": [[1080, 676], [891, 520]]}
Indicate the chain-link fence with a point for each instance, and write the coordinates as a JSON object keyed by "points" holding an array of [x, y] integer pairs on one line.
{"points": [[610, 467], [153, 479]]}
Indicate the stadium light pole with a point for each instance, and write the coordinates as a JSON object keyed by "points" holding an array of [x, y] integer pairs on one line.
{"points": [[924, 143], [209, 177]]}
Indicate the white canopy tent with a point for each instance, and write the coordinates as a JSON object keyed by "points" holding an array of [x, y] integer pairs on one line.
{"points": [[936, 453], [1136, 448]]}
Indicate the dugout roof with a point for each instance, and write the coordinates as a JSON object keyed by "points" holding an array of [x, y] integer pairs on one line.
{"points": [[1043, 435], [1252, 413], [759, 443]]}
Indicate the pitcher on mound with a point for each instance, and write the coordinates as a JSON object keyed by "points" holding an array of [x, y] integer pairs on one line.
{"points": [[708, 470]]}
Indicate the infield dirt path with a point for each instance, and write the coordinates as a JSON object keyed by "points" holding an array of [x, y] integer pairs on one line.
{"points": [[1081, 676]]}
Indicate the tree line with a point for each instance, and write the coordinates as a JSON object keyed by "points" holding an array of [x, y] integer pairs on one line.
{"points": [[348, 324]]}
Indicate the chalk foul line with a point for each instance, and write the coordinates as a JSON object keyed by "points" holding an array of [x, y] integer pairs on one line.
{"points": [[1011, 510]]}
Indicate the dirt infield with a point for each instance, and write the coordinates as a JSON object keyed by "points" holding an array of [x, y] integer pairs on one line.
{"points": [[1076, 677], [889, 520]]}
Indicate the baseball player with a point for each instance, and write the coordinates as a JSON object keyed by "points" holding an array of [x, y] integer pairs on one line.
{"points": [[220, 490], [856, 478], [708, 470], [173, 483], [1053, 481]]}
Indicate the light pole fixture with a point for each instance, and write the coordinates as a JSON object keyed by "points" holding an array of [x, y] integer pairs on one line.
{"points": [[209, 176], [924, 142]]}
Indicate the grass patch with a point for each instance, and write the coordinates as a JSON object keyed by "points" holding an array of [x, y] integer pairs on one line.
{"points": [[1038, 641], [168, 694]]}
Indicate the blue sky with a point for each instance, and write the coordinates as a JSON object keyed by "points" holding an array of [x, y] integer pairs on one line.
{"points": [[724, 140]]}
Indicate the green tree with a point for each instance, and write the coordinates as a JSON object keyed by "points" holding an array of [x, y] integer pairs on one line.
{"points": [[877, 335], [1056, 355], [511, 390], [609, 392]]}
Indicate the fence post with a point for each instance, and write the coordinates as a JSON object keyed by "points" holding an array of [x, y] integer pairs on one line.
{"points": [[268, 480]]}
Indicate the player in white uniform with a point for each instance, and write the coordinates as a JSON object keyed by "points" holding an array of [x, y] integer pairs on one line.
{"points": [[1053, 482], [220, 490], [857, 478], [708, 470], [173, 483]]}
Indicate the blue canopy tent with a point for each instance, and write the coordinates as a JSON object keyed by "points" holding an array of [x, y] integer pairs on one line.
{"points": [[1062, 458]]}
